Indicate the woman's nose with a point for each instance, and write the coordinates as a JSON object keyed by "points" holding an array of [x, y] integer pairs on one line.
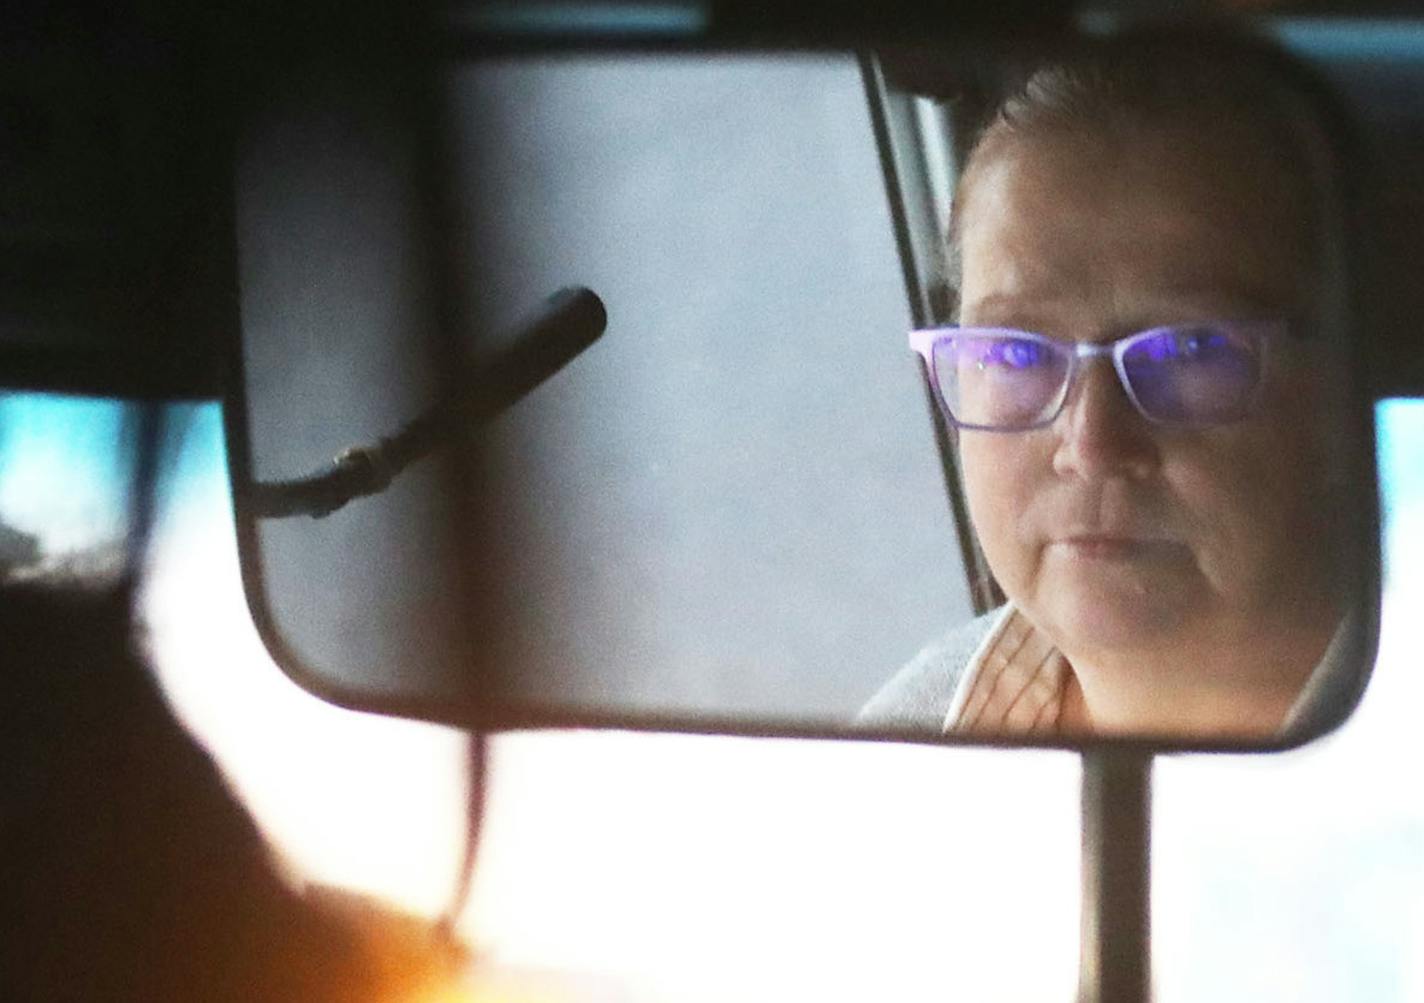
{"points": [[1101, 434]]}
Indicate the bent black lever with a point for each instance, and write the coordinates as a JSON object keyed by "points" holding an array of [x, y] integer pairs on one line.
{"points": [[572, 319]]}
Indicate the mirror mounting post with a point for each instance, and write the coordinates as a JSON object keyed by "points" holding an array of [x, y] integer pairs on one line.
{"points": [[1114, 961], [476, 789]]}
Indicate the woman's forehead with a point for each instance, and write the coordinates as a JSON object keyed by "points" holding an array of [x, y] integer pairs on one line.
{"points": [[1159, 217], [1174, 168]]}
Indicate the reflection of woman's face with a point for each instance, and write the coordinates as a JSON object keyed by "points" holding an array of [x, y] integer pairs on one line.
{"points": [[1113, 534]]}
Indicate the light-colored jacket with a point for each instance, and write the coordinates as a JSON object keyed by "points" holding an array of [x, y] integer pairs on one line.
{"points": [[918, 696]]}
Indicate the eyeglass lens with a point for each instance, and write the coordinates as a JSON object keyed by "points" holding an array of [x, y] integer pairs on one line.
{"points": [[1199, 374]]}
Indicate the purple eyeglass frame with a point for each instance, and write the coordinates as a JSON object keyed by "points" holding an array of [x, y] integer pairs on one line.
{"points": [[923, 341]]}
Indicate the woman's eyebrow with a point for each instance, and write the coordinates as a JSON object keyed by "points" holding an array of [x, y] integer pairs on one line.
{"points": [[1224, 301], [1015, 311], [1162, 299]]}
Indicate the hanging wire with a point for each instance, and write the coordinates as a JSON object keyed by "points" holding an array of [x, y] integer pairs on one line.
{"points": [[477, 771]]}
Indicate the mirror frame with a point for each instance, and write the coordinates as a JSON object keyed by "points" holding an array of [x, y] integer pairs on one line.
{"points": [[983, 43]]}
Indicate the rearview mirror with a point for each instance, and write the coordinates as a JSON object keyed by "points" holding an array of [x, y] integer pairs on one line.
{"points": [[1118, 483]]}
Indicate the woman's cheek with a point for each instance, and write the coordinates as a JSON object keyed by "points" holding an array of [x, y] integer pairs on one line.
{"points": [[995, 489]]}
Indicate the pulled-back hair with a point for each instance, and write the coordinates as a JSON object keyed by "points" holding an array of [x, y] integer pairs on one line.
{"points": [[1207, 95]]}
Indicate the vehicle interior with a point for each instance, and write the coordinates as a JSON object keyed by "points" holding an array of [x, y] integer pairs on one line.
{"points": [[463, 481]]}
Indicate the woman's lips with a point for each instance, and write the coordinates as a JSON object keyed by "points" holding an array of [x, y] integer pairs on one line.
{"points": [[1111, 547]]}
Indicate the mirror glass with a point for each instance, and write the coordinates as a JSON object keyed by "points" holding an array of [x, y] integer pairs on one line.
{"points": [[1003, 399]]}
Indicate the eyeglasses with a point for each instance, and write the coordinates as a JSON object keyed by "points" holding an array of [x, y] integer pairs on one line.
{"points": [[1004, 380]]}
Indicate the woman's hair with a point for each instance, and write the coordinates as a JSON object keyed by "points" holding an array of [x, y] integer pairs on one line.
{"points": [[1232, 101]]}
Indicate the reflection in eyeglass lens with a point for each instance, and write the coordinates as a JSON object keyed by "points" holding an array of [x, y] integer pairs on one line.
{"points": [[1195, 375]]}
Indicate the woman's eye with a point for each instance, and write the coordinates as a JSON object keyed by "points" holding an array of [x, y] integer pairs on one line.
{"points": [[1194, 344], [1014, 354]]}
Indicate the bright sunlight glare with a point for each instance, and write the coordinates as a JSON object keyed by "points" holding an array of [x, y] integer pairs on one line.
{"points": [[629, 867], [367, 803], [634, 867]]}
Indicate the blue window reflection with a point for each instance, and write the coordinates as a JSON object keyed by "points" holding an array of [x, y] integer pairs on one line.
{"points": [[63, 476]]}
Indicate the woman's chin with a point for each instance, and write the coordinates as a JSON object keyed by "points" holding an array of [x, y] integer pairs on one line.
{"points": [[1111, 620]]}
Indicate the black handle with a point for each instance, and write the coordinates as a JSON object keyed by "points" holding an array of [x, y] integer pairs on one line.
{"points": [[571, 320]]}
